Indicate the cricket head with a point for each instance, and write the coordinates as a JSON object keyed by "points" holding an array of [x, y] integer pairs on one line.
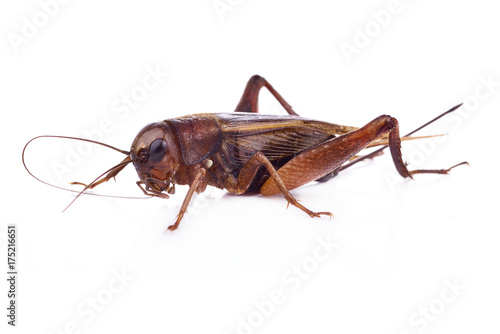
{"points": [[156, 156]]}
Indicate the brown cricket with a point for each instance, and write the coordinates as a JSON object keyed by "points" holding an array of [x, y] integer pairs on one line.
{"points": [[247, 152]]}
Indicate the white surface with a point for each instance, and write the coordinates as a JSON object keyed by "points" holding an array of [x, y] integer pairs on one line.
{"points": [[399, 246]]}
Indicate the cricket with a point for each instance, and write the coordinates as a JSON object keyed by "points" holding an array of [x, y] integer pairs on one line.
{"points": [[247, 152]]}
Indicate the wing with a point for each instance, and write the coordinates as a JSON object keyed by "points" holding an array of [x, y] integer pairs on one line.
{"points": [[277, 137]]}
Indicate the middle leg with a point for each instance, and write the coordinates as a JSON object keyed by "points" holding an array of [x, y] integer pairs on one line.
{"points": [[247, 174]]}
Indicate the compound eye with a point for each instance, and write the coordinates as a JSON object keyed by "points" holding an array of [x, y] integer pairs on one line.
{"points": [[157, 150]]}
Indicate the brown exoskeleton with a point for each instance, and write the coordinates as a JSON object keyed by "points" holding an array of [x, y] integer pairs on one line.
{"points": [[248, 152]]}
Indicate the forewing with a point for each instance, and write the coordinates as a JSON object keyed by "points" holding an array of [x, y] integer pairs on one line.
{"points": [[276, 137]]}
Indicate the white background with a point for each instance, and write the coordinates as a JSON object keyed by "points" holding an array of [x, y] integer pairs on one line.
{"points": [[399, 244]]}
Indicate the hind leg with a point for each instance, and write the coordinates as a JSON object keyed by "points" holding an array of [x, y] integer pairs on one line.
{"points": [[249, 100], [320, 160]]}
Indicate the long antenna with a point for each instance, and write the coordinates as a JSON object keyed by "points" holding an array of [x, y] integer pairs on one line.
{"points": [[75, 138], [72, 190]]}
